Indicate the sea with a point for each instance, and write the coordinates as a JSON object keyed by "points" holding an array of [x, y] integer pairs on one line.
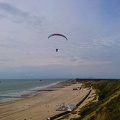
{"points": [[11, 89]]}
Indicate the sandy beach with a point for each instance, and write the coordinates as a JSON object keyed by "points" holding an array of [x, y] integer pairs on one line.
{"points": [[43, 104]]}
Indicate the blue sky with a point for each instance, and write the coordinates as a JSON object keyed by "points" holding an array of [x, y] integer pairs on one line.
{"points": [[91, 26]]}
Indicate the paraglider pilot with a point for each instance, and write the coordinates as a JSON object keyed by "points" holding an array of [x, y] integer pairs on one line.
{"points": [[56, 50]]}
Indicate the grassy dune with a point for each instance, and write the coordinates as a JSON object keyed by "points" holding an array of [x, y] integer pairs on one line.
{"points": [[108, 105], [105, 105]]}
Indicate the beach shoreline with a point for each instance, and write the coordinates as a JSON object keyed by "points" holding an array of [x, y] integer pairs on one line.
{"points": [[43, 103], [26, 92]]}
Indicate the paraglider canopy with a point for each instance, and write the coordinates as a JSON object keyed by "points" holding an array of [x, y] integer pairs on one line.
{"points": [[56, 34]]}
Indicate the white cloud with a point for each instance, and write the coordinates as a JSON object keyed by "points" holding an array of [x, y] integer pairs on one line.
{"points": [[18, 16]]}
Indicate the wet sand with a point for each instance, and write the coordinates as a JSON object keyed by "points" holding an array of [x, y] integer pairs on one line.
{"points": [[43, 103]]}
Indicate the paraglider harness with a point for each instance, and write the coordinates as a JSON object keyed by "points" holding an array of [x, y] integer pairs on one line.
{"points": [[56, 50]]}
